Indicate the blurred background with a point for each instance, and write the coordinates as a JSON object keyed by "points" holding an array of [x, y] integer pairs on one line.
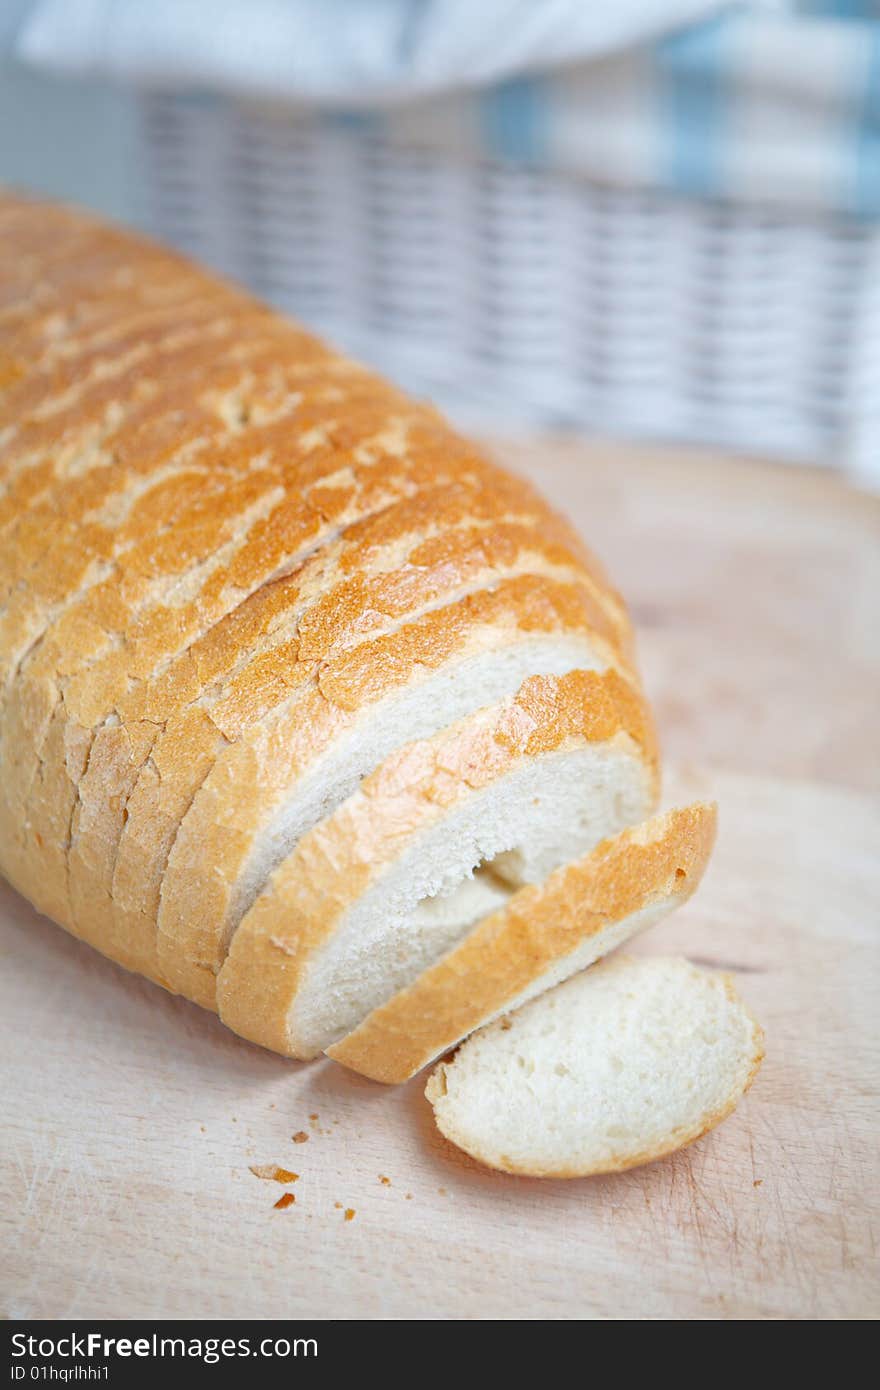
{"points": [[649, 218]]}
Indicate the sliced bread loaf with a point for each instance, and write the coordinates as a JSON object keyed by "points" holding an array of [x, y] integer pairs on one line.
{"points": [[619, 1066], [237, 571]]}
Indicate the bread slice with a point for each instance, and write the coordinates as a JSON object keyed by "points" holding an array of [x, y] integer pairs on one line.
{"points": [[381, 888], [619, 1066], [539, 937]]}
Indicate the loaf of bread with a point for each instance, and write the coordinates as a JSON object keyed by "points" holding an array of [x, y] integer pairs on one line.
{"points": [[309, 712]]}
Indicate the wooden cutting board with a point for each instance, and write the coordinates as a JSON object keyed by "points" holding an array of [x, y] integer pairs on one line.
{"points": [[131, 1119]]}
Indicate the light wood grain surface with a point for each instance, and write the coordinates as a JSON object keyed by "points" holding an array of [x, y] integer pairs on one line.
{"points": [[131, 1118]]}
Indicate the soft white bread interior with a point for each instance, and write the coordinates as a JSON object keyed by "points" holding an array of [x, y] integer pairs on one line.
{"points": [[441, 833], [619, 1066], [538, 937]]}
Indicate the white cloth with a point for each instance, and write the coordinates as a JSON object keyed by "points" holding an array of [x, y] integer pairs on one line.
{"points": [[339, 52], [768, 101]]}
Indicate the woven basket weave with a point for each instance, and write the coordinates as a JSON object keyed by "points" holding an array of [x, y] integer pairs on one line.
{"points": [[512, 296]]}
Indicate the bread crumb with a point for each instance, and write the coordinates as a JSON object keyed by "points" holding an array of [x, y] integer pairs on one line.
{"points": [[349, 1213], [286, 1199], [313, 1117], [338, 1206], [386, 1182], [272, 1173], [300, 1137], [409, 1196], [203, 1129], [757, 1182], [442, 1191]]}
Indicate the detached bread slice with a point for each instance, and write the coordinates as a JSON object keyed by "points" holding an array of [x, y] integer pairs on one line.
{"points": [[539, 937], [619, 1066]]}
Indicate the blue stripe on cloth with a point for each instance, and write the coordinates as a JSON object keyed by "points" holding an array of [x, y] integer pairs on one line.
{"points": [[837, 9], [358, 122], [691, 66], [868, 143], [514, 120]]}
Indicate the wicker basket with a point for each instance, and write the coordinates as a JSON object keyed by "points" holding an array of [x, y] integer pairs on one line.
{"points": [[519, 297]]}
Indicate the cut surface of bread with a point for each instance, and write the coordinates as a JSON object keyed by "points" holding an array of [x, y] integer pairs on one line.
{"points": [[535, 939], [618, 1066], [381, 888]]}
